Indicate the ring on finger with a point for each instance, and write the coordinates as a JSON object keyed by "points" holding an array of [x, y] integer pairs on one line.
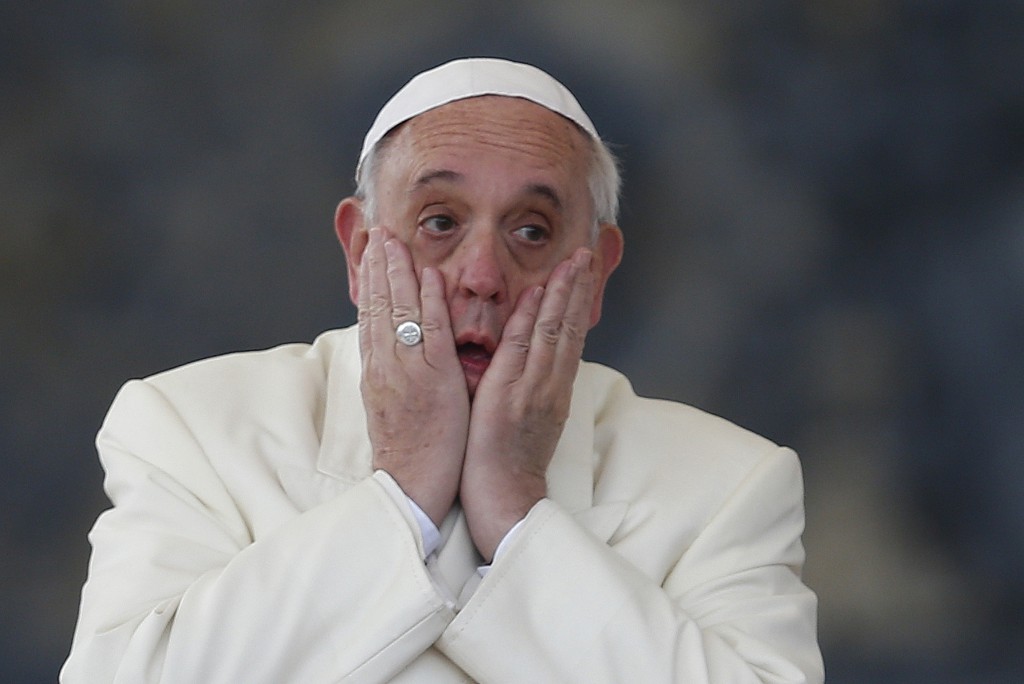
{"points": [[409, 333]]}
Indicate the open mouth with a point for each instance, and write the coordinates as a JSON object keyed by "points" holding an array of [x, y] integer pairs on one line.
{"points": [[475, 353], [474, 356]]}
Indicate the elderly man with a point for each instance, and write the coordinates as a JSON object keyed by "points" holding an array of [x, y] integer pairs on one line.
{"points": [[444, 492]]}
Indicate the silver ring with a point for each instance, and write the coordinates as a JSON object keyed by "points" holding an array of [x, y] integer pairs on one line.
{"points": [[409, 333]]}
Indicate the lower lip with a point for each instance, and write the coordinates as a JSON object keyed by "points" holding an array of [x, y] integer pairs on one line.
{"points": [[474, 363]]}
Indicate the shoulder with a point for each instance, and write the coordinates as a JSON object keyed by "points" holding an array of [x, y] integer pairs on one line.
{"points": [[295, 363], [284, 380], [678, 469], [666, 445], [620, 411]]}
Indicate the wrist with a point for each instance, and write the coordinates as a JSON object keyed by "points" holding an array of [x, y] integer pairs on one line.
{"points": [[490, 517], [433, 498]]}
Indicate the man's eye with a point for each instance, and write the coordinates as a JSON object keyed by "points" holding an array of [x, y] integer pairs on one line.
{"points": [[532, 233], [437, 224]]}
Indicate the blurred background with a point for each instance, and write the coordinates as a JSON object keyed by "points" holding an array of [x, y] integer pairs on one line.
{"points": [[824, 210]]}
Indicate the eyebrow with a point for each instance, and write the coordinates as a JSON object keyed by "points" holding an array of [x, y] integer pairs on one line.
{"points": [[539, 189], [547, 192], [437, 174]]}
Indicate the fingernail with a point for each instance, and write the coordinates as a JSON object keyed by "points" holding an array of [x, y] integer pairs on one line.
{"points": [[583, 258], [389, 248]]}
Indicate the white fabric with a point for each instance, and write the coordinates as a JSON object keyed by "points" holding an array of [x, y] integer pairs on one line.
{"points": [[463, 78], [428, 530], [251, 541]]}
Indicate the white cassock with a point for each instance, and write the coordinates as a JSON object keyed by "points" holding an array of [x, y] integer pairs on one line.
{"points": [[250, 541]]}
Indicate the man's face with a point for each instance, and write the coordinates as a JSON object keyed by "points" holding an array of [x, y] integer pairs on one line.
{"points": [[493, 192]]}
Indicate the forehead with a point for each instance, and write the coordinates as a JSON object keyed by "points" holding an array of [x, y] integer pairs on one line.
{"points": [[513, 131]]}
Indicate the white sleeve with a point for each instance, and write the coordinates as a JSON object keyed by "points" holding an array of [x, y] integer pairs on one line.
{"points": [[179, 591], [500, 549], [732, 609], [429, 534]]}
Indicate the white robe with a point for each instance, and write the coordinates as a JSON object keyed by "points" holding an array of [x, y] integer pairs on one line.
{"points": [[250, 541]]}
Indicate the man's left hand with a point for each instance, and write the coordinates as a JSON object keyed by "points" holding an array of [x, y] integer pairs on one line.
{"points": [[523, 400]]}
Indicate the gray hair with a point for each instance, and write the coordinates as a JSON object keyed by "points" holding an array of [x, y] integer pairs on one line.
{"points": [[603, 179]]}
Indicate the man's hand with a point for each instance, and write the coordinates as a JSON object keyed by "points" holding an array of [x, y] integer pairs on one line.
{"points": [[522, 402], [417, 404]]}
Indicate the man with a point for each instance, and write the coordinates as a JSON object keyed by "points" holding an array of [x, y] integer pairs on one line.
{"points": [[444, 493]]}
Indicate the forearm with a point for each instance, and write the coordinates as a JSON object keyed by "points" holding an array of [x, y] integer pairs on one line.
{"points": [[318, 599], [730, 608]]}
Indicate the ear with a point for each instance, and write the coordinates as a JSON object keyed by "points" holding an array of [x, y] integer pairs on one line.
{"points": [[607, 255], [353, 236]]}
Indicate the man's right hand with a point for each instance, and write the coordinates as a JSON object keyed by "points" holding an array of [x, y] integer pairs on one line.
{"points": [[417, 403]]}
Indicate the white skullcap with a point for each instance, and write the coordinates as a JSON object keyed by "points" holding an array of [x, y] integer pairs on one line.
{"points": [[463, 78]]}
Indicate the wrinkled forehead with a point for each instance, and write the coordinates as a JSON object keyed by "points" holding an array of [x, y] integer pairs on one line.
{"points": [[487, 142], [489, 146]]}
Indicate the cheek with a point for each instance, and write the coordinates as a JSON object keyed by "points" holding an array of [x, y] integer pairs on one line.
{"points": [[423, 257], [526, 281]]}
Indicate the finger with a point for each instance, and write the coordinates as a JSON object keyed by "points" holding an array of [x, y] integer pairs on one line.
{"points": [[438, 338], [405, 295], [377, 308], [511, 357], [363, 305], [576, 319], [559, 334], [548, 326]]}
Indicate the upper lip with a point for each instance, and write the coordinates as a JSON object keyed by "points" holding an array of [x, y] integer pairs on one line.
{"points": [[478, 338]]}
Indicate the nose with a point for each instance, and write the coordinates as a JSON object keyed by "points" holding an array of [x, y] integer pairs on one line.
{"points": [[479, 261]]}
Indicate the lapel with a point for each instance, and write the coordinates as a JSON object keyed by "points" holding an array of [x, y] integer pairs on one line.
{"points": [[343, 458], [571, 472], [345, 452]]}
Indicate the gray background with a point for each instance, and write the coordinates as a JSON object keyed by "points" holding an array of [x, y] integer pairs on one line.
{"points": [[824, 211]]}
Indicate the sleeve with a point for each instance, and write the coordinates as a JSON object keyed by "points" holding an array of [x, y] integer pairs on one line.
{"points": [[731, 609], [178, 591]]}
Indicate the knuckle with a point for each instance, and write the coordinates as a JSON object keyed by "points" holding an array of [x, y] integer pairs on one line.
{"points": [[377, 305], [574, 333], [403, 312], [549, 330], [430, 325], [519, 342]]}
